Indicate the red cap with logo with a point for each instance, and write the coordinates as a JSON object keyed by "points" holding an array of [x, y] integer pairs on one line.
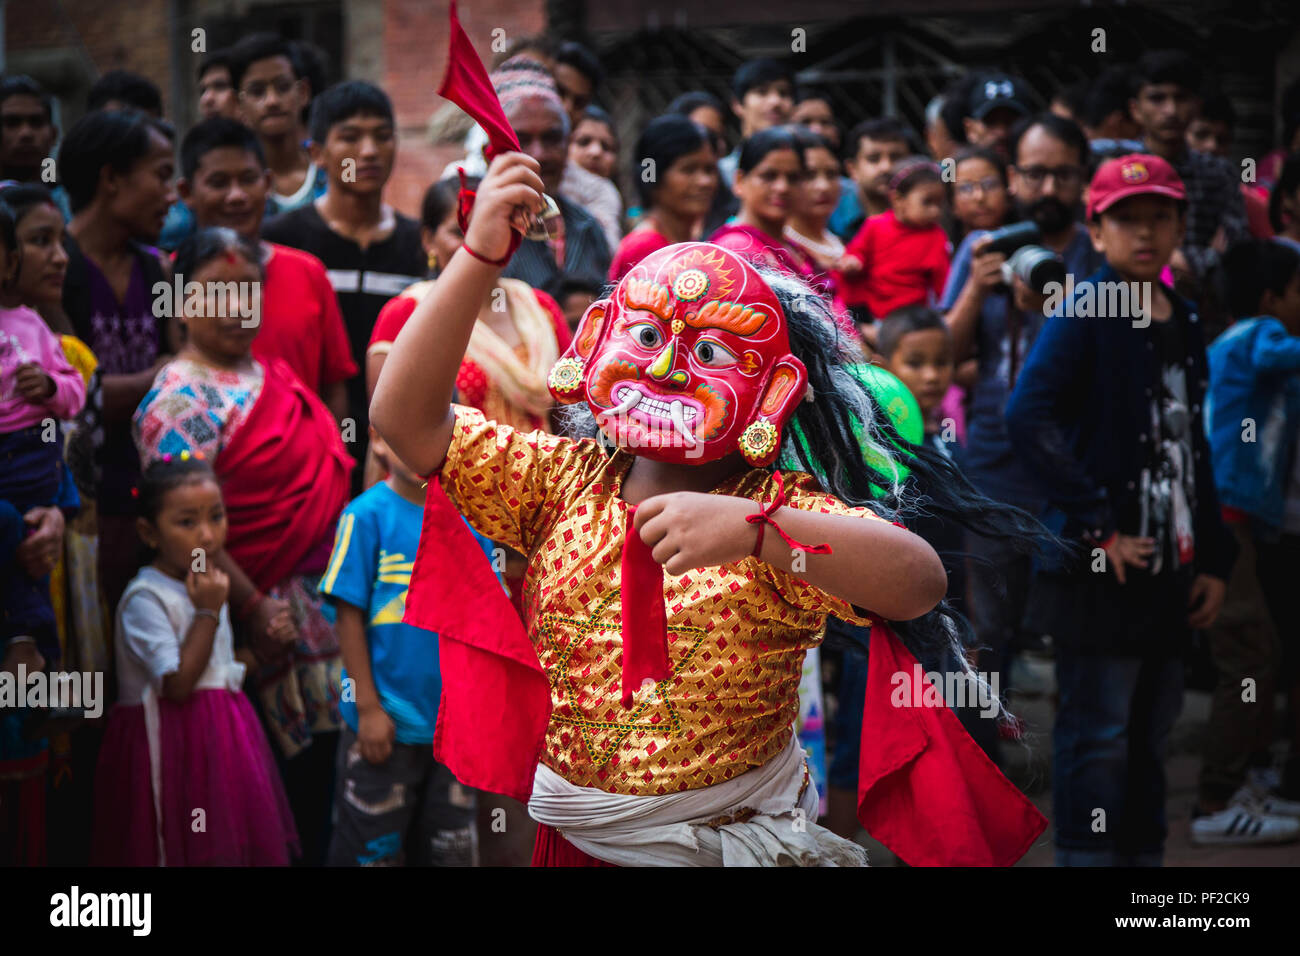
{"points": [[1136, 174]]}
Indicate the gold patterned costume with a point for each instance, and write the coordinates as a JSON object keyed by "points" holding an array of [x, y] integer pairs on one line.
{"points": [[737, 634]]}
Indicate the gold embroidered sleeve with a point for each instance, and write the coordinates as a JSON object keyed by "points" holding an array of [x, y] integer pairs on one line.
{"points": [[511, 485], [802, 493]]}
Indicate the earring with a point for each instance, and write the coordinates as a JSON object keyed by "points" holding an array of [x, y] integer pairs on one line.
{"points": [[758, 442], [432, 260], [565, 376]]}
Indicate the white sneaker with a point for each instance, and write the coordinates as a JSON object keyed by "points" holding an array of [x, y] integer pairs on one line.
{"points": [[1259, 800], [1241, 826]]}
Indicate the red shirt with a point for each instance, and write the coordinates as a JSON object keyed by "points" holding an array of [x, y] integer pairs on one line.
{"points": [[901, 265], [301, 322], [636, 245], [1256, 202], [471, 383]]}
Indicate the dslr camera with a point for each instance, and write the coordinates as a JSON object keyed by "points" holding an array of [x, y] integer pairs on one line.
{"points": [[1037, 266]]}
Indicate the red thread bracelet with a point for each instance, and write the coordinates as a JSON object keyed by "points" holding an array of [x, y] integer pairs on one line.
{"points": [[482, 258], [764, 518]]}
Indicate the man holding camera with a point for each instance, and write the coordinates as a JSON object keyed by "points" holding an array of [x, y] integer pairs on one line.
{"points": [[994, 318]]}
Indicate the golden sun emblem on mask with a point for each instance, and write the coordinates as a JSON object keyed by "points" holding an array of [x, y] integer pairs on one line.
{"points": [[691, 286]]}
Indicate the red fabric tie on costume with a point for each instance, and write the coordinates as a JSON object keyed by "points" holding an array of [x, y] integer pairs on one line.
{"points": [[925, 789], [467, 85], [645, 622], [495, 699]]}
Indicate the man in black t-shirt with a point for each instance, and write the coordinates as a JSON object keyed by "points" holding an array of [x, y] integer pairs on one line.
{"points": [[371, 251]]}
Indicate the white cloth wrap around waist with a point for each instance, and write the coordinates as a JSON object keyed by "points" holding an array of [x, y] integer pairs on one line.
{"points": [[672, 830]]}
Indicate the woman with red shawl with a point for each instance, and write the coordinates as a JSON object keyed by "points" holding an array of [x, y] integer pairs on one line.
{"points": [[284, 475]]}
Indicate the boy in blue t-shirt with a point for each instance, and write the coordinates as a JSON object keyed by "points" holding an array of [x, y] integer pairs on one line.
{"points": [[394, 802]]}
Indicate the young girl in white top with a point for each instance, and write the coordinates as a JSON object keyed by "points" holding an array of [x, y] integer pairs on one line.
{"points": [[185, 775]]}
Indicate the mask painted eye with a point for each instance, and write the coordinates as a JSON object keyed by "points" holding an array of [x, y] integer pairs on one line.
{"points": [[714, 355], [646, 335]]}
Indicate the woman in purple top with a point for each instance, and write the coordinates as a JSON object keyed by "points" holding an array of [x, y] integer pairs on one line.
{"points": [[118, 170]]}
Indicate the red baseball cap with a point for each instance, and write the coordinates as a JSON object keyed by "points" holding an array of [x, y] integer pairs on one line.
{"points": [[1133, 175]]}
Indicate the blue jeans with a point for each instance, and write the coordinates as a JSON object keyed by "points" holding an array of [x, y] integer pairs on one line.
{"points": [[843, 771], [1108, 749]]}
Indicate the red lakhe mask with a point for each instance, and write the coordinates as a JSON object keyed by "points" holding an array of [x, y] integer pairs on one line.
{"points": [[688, 360]]}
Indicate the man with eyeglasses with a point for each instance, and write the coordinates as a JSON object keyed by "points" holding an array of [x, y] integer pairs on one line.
{"points": [[997, 326], [272, 95]]}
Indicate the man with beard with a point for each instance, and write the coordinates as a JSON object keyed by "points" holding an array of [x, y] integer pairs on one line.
{"points": [[997, 326]]}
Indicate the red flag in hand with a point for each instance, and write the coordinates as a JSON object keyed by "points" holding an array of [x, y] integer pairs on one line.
{"points": [[467, 85]]}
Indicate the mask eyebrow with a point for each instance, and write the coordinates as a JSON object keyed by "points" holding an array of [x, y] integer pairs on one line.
{"points": [[728, 316], [651, 296]]}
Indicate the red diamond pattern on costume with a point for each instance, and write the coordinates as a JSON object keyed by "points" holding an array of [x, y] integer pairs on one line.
{"points": [[737, 633]]}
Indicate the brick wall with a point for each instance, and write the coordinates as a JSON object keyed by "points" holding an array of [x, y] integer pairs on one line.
{"points": [[415, 55], [133, 35], [116, 35]]}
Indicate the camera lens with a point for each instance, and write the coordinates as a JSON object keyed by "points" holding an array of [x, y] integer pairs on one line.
{"points": [[1037, 267]]}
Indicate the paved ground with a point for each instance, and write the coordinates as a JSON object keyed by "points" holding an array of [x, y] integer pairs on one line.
{"points": [[1030, 768]]}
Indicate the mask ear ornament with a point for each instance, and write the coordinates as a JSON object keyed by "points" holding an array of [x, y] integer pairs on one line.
{"points": [[786, 387], [566, 376], [758, 442]]}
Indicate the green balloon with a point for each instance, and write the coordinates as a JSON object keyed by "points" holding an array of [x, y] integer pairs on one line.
{"points": [[901, 406]]}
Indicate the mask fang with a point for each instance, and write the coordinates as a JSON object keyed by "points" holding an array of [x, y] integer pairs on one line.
{"points": [[675, 410], [625, 406]]}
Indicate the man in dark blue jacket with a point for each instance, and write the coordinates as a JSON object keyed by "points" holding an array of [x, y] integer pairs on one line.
{"points": [[1107, 414]]}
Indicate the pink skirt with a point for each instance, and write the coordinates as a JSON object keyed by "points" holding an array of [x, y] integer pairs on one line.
{"points": [[222, 800]]}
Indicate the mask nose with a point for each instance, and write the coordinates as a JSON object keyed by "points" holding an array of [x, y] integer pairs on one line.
{"points": [[662, 367]]}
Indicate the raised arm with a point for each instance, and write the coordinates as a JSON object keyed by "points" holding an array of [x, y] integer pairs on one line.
{"points": [[412, 400]]}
